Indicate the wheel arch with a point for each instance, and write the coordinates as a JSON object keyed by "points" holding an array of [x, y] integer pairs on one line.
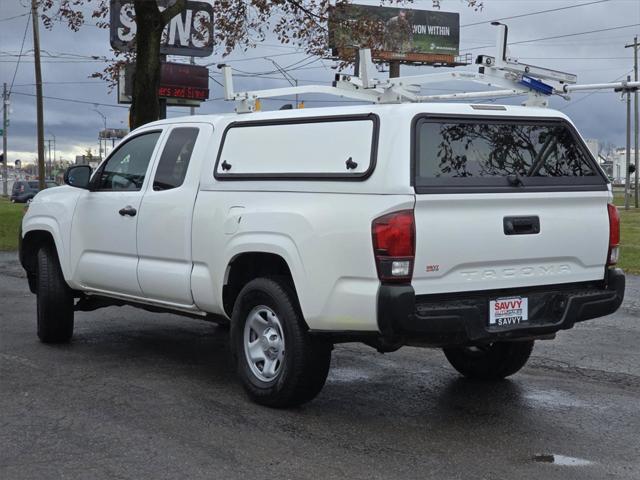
{"points": [[31, 241], [246, 266]]}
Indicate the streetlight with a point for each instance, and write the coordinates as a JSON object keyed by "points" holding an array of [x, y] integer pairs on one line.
{"points": [[104, 119], [54, 153]]}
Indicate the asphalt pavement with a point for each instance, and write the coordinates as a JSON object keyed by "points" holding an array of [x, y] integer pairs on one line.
{"points": [[140, 395]]}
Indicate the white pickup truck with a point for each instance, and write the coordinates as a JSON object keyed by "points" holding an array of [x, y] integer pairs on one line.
{"points": [[473, 228]]}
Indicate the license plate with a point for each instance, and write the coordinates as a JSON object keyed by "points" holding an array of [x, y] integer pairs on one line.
{"points": [[511, 311]]}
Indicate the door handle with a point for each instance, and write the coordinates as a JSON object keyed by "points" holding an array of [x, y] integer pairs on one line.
{"points": [[521, 225], [128, 210]]}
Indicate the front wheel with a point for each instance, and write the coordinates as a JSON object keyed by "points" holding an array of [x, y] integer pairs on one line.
{"points": [[494, 361], [279, 363], [54, 299]]}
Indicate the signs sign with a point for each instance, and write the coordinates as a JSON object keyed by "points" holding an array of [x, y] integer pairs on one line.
{"points": [[421, 36], [180, 83], [189, 33]]}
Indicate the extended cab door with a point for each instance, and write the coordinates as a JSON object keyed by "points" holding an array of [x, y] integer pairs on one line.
{"points": [[103, 232], [505, 202], [164, 223]]}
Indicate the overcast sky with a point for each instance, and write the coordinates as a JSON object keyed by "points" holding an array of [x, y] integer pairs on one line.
{"points": [[595, 57]]}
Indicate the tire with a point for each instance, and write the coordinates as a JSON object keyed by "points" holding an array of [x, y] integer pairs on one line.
{"points": [[491, 362], [54, 299], [266, 314]]}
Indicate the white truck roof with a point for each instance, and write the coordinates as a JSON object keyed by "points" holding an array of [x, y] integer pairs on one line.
{"points": [[402, 109]]}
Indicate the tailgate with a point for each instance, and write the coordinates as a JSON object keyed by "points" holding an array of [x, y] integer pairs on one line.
{"points": [[461, 243], [506, 203]]}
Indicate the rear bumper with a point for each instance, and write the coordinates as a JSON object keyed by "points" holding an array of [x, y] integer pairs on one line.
{"points": [[462, 319]]}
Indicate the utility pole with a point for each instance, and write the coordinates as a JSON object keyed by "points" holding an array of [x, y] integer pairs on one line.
{"points": [[635, 46], [5, 107], [49, 158], [39, 107], [627, 176]]}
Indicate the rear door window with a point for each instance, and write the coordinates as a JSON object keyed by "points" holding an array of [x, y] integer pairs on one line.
{"points": [[474, 154], [175, 158]]}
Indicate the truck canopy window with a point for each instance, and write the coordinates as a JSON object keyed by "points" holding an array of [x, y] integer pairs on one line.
{"points": [[501, 152], [341, 147]]}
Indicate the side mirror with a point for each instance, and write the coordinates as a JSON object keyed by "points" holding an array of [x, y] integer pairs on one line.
{"points": [[78, 176]]}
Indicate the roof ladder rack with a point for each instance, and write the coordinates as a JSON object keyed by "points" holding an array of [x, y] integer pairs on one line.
{"points": [[504, 73]]}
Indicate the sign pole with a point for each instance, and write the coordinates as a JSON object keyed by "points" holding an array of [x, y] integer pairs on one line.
{"points": [[192, 110], [162, 101], [394, 69]]}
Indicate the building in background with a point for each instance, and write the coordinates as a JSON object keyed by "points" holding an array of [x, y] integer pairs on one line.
{"points": [[619, 160], [594, 146]]}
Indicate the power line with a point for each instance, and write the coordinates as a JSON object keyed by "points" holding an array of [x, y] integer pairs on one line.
{"points": [[26, 28], [57, 61], [533, 13], [225, 60], [270, 72], [94, 82], [86, 102], [559, 36], [15, 16]]}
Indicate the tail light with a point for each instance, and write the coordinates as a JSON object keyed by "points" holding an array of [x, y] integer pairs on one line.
{"points": [[614, 234], [394, 246]]}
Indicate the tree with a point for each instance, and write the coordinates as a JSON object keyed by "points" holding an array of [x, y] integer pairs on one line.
{"points": [[236, 24]]}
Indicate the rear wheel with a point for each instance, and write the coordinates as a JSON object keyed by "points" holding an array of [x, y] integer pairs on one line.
{"points": [[493, 361], [55, 299], [279, 363]]}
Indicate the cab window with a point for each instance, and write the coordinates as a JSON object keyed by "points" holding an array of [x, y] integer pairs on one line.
{"points": [[127, 167]]}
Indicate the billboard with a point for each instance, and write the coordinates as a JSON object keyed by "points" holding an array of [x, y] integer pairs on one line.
{"points": [[189, 33], [407, 35], [180, 83]]}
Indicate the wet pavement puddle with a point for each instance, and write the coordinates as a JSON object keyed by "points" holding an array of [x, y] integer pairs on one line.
{"points": [[561, 460]]}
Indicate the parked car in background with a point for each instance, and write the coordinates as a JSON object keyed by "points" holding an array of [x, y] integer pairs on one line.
{"points": [[24, 190]]}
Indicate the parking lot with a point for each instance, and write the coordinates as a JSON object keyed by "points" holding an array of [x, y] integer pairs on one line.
{"points": [[143, 395]]}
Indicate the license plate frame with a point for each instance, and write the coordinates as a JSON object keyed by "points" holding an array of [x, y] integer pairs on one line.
{"points": [[508, 312]]}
